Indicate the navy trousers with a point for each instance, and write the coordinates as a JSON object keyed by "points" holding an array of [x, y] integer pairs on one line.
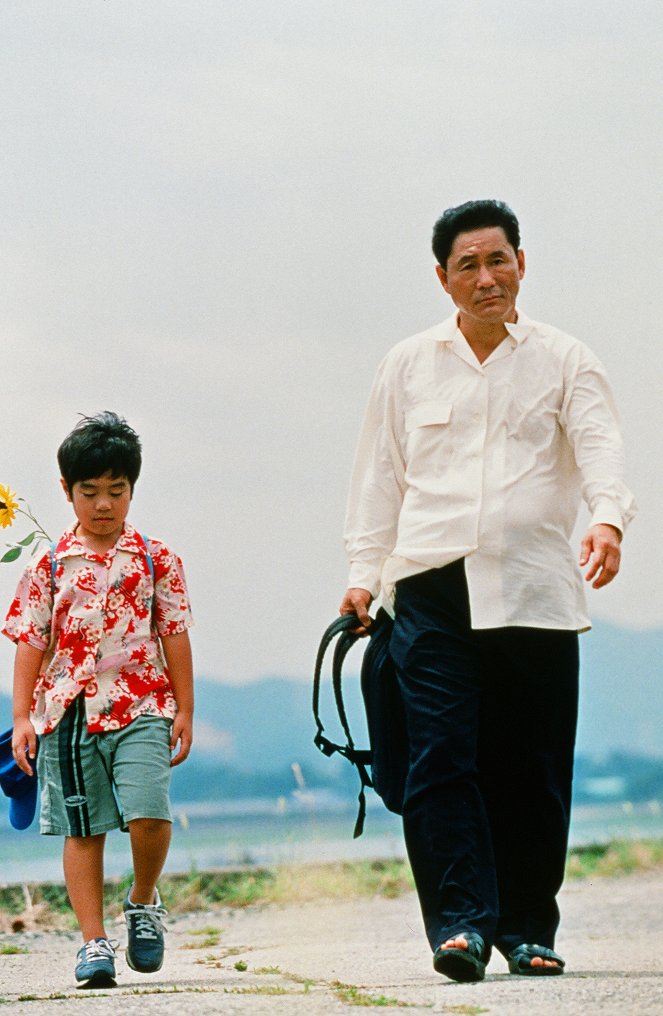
{"points": [[491, 718]]}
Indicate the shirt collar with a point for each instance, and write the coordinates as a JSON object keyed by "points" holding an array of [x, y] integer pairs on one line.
{"points": [[70, 546], [448, 331], [520, 329]]}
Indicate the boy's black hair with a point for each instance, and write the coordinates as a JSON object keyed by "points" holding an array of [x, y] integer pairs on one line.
{"points": [[97, 445], [473, 215]]}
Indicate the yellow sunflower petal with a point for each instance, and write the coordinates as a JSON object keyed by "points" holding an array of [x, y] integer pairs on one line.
{"points": [[8, 506]]}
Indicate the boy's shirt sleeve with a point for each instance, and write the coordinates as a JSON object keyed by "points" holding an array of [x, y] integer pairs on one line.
{"points": [[30, 614], [172, 609]]}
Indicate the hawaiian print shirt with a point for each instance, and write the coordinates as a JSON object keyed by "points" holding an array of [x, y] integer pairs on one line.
{"points": [[100, 632]]}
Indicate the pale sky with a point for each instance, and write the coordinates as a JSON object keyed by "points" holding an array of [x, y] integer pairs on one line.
{"points": [[216, 220]]}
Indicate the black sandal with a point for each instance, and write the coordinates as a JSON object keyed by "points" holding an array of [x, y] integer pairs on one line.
{"points": [[520, 961], [462, 964]]}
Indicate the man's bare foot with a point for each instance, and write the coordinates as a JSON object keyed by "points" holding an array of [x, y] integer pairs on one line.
{"points": [[534, 960], [462, 957]]}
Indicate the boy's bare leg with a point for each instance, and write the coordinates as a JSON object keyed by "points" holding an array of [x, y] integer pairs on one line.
{"points": [[150, 840], [83, 863]]}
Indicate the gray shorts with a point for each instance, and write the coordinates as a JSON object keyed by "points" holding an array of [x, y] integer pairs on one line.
{"points": [[91, 783]]}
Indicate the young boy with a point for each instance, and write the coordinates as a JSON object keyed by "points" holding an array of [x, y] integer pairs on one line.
{"points": [[103, 673]]}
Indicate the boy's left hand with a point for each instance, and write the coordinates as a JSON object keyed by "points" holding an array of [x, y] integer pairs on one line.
{"points": [[182, 732]]}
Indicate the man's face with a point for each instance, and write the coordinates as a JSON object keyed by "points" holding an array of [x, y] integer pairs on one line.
{"points": [[482, 275]]}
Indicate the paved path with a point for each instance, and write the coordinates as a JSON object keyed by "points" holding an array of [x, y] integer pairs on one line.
{"points": [[291, 961]]}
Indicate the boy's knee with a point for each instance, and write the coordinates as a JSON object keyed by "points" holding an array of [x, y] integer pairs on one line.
{"points": [[148, 826]]}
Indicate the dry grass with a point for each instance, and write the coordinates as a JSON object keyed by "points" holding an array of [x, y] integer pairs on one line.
{"points": [[619, 857], [45, 905]]}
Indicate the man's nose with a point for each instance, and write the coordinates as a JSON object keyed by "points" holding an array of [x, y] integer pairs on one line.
{"points": [[103, 503], [485, 278]]}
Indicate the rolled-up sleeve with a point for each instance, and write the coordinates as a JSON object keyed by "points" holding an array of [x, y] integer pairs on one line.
{"points": [[172, 605], [29, 616]]}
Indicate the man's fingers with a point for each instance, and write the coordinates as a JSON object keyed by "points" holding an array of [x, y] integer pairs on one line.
{"points": [[609, 568], [357, 601], [600, 549], [585, 551], [604, 567]]}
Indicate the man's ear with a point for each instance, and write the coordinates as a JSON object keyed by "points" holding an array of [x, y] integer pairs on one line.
{"points": [[442, 276], [67, 493]]}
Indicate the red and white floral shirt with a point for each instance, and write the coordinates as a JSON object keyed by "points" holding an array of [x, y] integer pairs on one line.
{"points": [[100, 633]]}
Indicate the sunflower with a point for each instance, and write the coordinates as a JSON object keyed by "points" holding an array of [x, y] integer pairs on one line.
{"points": [[8, 506]]}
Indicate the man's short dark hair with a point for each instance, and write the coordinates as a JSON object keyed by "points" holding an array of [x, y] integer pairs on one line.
{"points": [[473, 215], [100, 444]]}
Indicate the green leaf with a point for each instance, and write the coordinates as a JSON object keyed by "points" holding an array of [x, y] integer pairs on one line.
{"points": [[11, 555], [27, 540]]}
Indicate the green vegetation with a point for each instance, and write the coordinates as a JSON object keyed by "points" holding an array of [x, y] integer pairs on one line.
{"points": [[286, 884], [207, 938], [12, 950], [466, 1010], [352, 995]]}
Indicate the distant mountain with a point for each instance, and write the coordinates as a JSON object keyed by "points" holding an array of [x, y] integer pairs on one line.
{"points": [[248, 737], [269, 723]]}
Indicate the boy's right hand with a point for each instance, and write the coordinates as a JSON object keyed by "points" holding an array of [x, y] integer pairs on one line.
{"points": [[24, 745]]}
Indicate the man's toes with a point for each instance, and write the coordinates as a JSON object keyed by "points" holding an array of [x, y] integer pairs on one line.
{"points": [[455, 943]]}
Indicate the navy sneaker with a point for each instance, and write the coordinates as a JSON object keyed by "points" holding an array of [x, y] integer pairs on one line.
{"points": [[96, 963], [145, 932]]}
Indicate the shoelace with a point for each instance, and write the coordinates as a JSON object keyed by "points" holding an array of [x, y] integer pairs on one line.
{"points": [[103, 949], [147, 921]]}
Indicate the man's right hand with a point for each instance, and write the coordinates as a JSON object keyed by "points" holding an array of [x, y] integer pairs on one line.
{"points": [[24, 744], [357, 601]]}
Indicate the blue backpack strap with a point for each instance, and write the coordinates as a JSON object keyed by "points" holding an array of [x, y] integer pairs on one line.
{"points": [[150, 565], [150, 562]]}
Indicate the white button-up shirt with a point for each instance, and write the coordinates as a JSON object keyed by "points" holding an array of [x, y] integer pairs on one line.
{"points": [[487, 462]]}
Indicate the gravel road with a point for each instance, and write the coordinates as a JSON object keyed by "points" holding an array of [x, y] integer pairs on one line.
{"points": [[323, 958]]}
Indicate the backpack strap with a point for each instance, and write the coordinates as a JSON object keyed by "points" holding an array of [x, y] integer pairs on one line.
{"points": [[150, 562], [340, 624], [150, 565], [341, 627]]}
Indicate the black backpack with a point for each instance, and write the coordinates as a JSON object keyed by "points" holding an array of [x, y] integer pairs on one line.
{"points": [[387, 756]]}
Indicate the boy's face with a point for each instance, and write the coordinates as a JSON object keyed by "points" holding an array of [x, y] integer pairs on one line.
{"points": [[101, 505]]}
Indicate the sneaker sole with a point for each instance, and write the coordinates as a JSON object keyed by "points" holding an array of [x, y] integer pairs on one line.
{"points": [[142, 970], [99, 980]]}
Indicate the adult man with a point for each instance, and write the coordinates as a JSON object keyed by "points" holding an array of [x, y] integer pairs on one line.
{"points": [[480, 437]]}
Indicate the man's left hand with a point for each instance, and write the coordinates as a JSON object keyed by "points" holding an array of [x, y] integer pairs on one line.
{"points": [[600, 549]]}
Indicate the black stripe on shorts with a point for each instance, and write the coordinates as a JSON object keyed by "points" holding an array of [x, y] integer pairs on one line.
{"points": [[70, 729]]}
